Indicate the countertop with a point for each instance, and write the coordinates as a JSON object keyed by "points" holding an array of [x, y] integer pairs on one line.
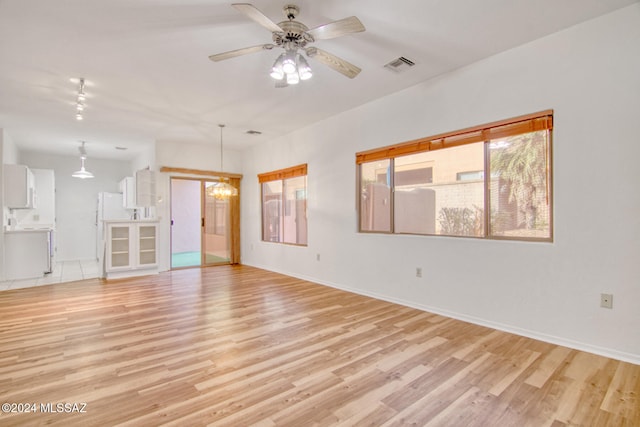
{"points": [[129, 221], [35, 229]]}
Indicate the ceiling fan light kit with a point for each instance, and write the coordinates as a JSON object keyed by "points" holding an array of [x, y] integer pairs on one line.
{"points": [[289, 63], [303, 68], [290, 67], [277, 72]]}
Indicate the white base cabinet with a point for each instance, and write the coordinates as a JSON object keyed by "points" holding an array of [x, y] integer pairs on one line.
{"points": [[131, 248], [27, 254]]}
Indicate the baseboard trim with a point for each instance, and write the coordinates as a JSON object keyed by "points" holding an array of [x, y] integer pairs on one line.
{"points": [[552, 339]]}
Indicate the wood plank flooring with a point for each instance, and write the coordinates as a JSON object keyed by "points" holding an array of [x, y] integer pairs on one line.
{"points": [[239, 346]]}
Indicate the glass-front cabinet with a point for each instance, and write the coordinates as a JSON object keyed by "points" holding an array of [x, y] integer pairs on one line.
{"points": [[119, 239], [147, 245], [131, 248]]}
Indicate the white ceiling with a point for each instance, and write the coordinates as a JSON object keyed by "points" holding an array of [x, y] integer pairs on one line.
{"points": [[149, 77]]}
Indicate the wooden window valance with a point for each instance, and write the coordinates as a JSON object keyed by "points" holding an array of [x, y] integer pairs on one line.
{"points": [[291, 172], [518, 125]]}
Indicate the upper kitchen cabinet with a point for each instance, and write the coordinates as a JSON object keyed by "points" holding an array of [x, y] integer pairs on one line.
{"points": [[44, 211], [139, 192], [145, 188], [128, 190], [46, 191], [19, 187]]}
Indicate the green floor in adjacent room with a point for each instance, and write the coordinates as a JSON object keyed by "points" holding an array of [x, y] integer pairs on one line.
{"points": [[190, 259]]}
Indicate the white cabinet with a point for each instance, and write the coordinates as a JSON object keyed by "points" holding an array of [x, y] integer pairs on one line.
{"points": [[128, 190], [145, 188], [43, 213], [146, 254], [131, 248], [27, 254], [139, 192], [19, 187], [119, 247]]}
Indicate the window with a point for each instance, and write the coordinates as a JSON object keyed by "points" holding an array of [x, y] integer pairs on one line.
{"points": [[490, 181], [284, 205]]}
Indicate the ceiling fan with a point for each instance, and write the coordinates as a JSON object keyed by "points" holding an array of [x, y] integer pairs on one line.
{"points": [[294, 37]]}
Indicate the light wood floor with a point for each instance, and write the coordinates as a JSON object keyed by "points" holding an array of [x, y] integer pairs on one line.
{"points": [[239, 346]]}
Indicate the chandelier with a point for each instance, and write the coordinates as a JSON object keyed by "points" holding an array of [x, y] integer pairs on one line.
{"points": [[222, 190]]}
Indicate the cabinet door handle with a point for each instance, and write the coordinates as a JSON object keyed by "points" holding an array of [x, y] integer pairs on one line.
{"points": [[203, 222]]}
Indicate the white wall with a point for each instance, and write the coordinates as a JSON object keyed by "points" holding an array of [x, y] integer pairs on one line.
{"points": [[146, 159], [76, 199], [9, 149], [197, 156], [8, 155], [590, 75]]}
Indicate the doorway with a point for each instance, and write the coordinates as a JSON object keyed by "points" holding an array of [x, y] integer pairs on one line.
{"points": [[200, 224]]}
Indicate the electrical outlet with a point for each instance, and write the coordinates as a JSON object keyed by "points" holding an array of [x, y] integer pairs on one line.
{"points": [[606, 300], [418, 272]]}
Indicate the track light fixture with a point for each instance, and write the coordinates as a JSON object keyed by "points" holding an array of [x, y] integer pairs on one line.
{"points": [[80, 99]]}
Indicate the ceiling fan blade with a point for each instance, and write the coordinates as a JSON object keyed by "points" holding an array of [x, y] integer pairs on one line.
{"points": [[238, 52], [332, 61], [253, 13], [337, 28]]}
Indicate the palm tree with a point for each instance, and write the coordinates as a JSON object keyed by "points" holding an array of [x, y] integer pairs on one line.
{"points": [[522, 162]]}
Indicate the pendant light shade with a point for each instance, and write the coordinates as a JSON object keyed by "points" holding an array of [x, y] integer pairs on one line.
{"points": [[222, 190], [82, 173]]}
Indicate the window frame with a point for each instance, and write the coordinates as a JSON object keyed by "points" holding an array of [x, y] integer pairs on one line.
{"points": [[539, 121], [282, 175]]}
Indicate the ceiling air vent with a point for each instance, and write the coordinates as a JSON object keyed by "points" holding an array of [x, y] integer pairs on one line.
{"points": [[254, 132], [400, 64]]}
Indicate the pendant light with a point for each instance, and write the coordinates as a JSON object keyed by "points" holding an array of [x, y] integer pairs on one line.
{"points": [[82, 173], [222, 190]]}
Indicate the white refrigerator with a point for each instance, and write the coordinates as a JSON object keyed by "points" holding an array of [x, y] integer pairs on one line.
{"points": [[110, 206]]}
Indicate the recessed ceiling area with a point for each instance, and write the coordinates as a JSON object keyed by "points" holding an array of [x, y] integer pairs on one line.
{"points": [[149, 78]]}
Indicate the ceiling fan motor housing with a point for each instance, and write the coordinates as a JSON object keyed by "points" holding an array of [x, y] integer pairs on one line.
{"points": [[293, 33]]}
